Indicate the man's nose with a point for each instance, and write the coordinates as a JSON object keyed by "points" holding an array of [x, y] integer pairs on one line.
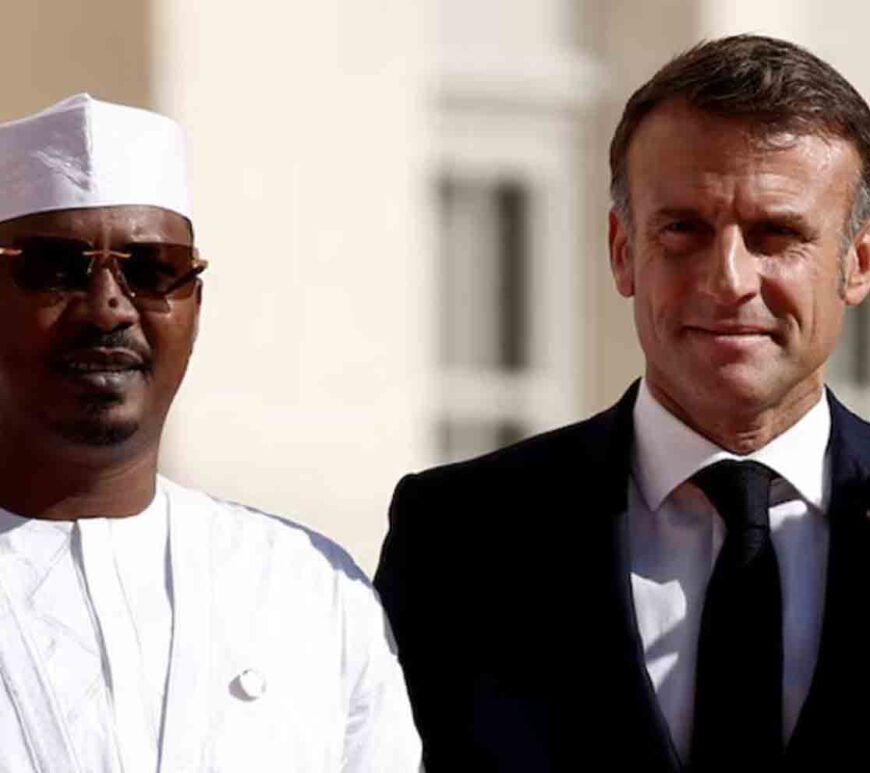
{"points": [[731, 269], [106, 303]]}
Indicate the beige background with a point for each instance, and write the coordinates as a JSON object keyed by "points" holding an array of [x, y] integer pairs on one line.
{"points": [[316, 133]]}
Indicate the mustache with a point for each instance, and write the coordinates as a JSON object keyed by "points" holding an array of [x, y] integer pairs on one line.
{"points": [[94, 338]]}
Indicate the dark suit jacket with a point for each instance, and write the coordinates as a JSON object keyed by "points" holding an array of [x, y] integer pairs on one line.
{"points": [[507, 583]]}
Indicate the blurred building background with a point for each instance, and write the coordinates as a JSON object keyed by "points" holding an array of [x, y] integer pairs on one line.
{"points": [[404, 204]]}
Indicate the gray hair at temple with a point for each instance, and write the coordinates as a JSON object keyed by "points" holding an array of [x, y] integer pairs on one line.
{"points": [[777, 87]]}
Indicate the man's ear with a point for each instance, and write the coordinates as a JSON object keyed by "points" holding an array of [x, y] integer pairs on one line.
{"points": [[856, 268], [620, 255]]}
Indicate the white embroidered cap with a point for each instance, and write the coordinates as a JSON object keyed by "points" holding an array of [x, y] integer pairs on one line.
{"points": [[82, 152]]}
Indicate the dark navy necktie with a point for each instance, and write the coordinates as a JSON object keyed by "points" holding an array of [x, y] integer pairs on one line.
{"points": [[738, 683]]}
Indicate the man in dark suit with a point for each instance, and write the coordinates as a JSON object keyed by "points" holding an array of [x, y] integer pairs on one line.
{"points": [[682, 581]]}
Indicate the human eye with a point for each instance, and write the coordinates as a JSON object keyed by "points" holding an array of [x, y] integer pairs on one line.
{"points": [[681, 226], [50, 264], [771, 237], [154, 267], [780, 229], [682, 235]]}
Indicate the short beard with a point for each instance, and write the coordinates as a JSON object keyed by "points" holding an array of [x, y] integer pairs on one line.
{"points": [[96, 428]]}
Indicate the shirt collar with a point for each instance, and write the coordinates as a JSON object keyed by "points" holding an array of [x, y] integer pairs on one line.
{"points": [[667, 452]]}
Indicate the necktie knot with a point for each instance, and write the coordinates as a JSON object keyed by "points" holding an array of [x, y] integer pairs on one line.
{"points": [[739, 491]]}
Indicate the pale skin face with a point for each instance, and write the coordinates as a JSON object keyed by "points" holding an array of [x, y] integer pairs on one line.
{"points": [[733, 262]]}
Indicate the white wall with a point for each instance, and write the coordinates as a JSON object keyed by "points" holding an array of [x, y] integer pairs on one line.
{"points": [[307, 124], [312, 388]]}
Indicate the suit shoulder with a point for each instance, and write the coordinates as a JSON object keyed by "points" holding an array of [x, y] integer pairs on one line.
{"points": [[573, 444], [850, 424], [850, 435]]}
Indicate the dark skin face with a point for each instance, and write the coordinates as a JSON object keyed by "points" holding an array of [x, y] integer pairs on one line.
{"points": [[86, 378]]}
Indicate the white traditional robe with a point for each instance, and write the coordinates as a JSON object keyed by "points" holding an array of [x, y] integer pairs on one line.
{"points": [[196, 636]]}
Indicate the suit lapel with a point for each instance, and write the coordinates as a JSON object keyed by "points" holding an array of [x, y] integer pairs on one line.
{"points": [[829, 720], [627, 694]]}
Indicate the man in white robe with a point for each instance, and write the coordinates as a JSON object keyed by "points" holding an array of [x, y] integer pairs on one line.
{"points": [[144, 626]]}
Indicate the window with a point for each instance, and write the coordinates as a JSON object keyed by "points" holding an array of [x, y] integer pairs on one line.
{"points": [[484, 266], [483, 261]]}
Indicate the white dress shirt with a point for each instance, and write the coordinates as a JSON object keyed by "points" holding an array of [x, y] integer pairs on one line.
{"points": [[675, 535]]}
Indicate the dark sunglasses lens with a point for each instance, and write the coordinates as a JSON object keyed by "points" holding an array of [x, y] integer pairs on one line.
{"points": [[154, 269], [49, 265]]}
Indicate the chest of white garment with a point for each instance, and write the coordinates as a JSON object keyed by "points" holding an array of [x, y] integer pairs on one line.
{"points": [[93, 606], [88, 604], [277, 697]]}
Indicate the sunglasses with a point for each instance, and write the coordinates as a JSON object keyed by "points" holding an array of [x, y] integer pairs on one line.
{"points": [[148, 272]]}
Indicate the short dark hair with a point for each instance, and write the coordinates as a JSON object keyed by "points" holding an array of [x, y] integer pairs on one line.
{"points": [[774, 85]]}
